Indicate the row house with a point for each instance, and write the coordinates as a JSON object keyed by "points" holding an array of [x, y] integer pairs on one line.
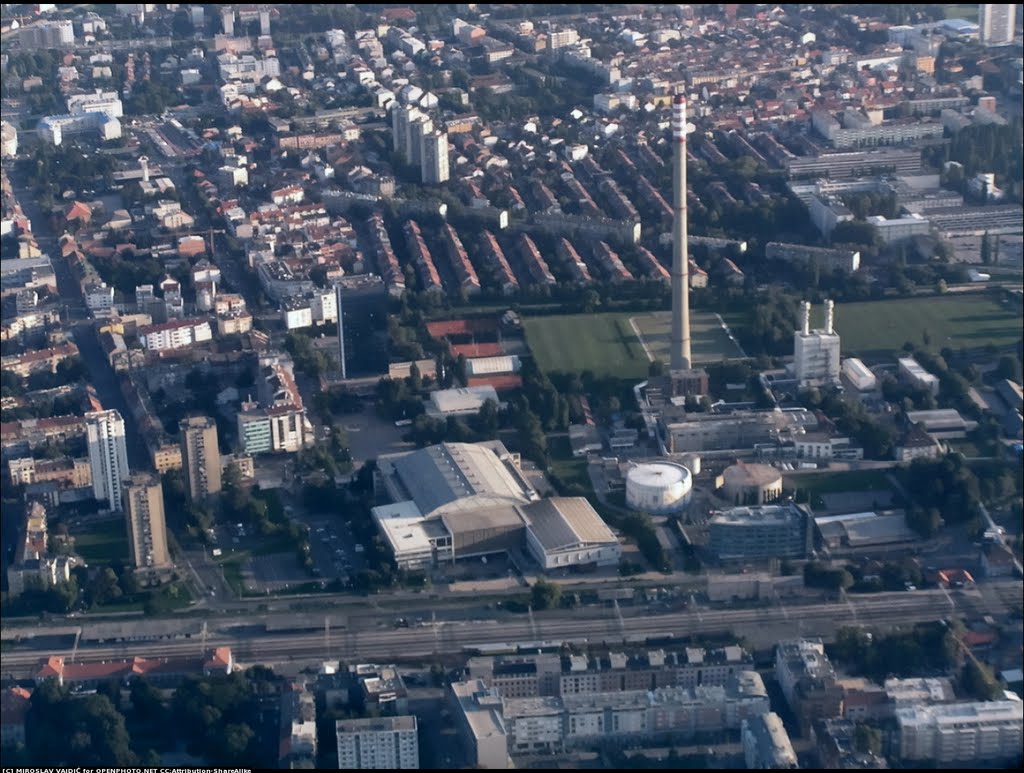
{"points": [[571, 259], [175, 334], [536, 266], [496, 262], [464, 271]]}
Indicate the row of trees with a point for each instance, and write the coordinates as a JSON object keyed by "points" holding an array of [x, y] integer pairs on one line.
{"points": [[216, 717], [926, 647]]}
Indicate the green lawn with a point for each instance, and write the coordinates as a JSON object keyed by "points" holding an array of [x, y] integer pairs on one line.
{"points": [[103, 542], [965, 12], [874, 330], [838, 482], [233, 575], [607, 344], [568, 468], [602, 343], [709, 342]]}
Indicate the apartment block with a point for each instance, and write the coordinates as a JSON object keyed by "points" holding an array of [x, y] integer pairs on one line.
{"points": [[379, 743]]}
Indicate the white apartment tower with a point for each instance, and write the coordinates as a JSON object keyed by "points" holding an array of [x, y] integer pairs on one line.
{"points": [[381, 743], [418, 129], [816, 352], [147, 528], [996, 23], [401, 117], [434, 164], [108, 455], [200, 456]]}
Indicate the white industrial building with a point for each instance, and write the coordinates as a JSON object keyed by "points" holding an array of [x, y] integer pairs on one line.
{"points": [[942, 423], [961, 732], [566, 531], [462, 401], [911, 372], [858, 374], [491, 366], [457, 500], [816, 352]]}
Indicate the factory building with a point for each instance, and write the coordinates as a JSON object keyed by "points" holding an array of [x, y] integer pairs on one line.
{"points": [[458, 500], [766, 532], [816, 352]]}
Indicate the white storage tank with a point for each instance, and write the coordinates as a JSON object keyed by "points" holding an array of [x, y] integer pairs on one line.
{"points": [[659, 488]]}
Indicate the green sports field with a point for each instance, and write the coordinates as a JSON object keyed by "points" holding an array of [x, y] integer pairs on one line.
{"points": [[608, 345], [874, 330]]}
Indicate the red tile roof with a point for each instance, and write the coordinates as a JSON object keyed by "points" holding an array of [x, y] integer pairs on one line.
{"points": [[477, 350], [500, 382]]}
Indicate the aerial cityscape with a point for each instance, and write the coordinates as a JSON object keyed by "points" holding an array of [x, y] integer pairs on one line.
{"points": [[456, 386]]}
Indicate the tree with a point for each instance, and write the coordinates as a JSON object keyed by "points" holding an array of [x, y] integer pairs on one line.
{"points": [[544, 594], [1009, 367], [104, 588], [236, 740], [979, 681], [867, 739], [487, 420]]}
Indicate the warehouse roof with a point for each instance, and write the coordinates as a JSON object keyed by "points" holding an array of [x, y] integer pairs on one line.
{"points": [[460, 476], [562, 522]]}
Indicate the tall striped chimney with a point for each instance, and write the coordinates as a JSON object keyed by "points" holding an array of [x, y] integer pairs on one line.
{"points": [[681, 359]]}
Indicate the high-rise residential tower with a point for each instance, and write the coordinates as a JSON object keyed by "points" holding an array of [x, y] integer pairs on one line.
{"points": [[108, 455], [382, 743], [434, 161], [147, 529], [996, 23], [200, 456]]}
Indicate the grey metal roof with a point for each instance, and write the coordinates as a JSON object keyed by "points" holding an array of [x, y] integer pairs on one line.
{"points": [[458, 476], [562, 522]]}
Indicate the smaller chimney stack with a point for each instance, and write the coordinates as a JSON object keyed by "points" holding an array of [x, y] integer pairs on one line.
{"points": [[806, 308], [829, 316], [144, 163]]}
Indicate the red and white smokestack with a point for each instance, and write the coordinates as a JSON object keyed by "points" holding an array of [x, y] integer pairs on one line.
{"points": [[679, 118], [680, 345]]}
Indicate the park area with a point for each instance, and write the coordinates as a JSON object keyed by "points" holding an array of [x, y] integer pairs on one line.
{"points": [[103, 542], [609, 344], [874, 330]]}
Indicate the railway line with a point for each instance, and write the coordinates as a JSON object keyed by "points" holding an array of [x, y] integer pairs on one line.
{"points": [[451, 637]]}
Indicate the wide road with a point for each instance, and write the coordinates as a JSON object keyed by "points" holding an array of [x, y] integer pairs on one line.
{"points": [[452, 637], [101, 376]]}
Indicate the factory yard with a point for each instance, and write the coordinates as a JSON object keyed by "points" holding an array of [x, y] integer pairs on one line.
{"points": [[617, 344], [874, 330]]}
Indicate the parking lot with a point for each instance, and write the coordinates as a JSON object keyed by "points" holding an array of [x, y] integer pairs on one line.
{"points": [[276, 571], [336, 554], [370, 436]]}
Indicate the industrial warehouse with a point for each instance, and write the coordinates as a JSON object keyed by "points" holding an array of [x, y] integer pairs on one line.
{"points": [[460, 500]]}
